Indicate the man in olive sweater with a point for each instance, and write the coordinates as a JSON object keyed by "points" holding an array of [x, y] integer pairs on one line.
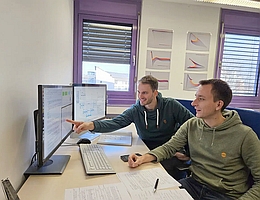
{"points": [[223, 151]]}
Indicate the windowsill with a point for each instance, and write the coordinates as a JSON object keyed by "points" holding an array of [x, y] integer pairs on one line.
{"points": [[119, 105], [116, 109]]}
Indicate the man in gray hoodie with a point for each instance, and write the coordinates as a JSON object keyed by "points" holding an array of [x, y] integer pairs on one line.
{"points": [[223, 151], [156, 119]]}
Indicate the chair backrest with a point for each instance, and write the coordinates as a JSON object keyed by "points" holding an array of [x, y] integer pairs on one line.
{"points": [[248, 117], [187, 104]]}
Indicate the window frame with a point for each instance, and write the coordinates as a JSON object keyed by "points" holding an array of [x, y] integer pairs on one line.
{"points": [[243, 27], [99, 13]]}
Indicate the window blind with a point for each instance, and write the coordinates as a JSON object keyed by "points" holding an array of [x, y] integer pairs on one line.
{"points": [[106, 43], [240, 63]]}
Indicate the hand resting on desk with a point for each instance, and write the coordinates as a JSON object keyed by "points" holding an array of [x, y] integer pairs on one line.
{"points": [[135, 161], [81, 126]]}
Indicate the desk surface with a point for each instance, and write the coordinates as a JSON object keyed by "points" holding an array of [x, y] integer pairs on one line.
{"points": [[42, 187]]}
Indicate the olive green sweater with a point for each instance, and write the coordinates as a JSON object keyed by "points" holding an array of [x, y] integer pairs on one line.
{"points": [[221, 157]]}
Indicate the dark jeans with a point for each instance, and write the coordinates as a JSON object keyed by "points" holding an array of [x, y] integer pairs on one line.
{"points": [[199, 191], [171, 166]]}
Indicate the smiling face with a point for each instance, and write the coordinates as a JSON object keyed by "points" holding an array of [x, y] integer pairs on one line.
{"points": [[147, 96], [204, 103]]}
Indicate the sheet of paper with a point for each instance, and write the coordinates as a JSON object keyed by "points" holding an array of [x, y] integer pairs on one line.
{"points": [[98, 192], [137, 185], [142, 180], [167, 194]]}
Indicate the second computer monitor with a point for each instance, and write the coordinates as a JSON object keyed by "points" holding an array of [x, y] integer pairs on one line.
{"points": [[89, 102]]}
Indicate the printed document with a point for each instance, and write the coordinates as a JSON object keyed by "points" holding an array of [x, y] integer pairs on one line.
{"points": [[140, 185], [140, 180], [98, 192], [136, 185]]}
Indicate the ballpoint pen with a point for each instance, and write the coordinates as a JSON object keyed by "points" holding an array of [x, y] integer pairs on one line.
{"points": [[156, 184]]}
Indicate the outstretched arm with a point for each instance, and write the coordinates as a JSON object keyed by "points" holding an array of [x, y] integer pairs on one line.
{"points": [[81, 126]]}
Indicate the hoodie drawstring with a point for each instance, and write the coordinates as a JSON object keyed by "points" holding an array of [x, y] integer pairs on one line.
{"points": [[201, 132], [213, 137], [145, 119], [157, 118]]}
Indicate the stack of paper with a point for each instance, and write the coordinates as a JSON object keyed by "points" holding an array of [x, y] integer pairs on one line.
{"points": [[137, 185]]}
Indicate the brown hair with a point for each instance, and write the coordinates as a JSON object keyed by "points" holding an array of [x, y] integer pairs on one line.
{"points": [[220, 90], [152, 81]]}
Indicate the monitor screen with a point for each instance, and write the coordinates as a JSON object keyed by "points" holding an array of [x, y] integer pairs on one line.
{"points": [[89, 104], [54, 107]]}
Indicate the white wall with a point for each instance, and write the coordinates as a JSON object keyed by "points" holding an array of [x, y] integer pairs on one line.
{"points": [[36, 48]]}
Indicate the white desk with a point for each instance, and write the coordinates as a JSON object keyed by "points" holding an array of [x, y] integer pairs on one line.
{"points": [[50, 187]]}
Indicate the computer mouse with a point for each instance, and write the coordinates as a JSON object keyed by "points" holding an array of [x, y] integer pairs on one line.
{"points": [[84, 141]]}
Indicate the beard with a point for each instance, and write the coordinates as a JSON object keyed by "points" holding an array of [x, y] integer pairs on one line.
{"points": [[146, 102]]}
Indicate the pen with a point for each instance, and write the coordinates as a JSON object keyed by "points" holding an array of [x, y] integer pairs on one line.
{"points": [[156, 184]]}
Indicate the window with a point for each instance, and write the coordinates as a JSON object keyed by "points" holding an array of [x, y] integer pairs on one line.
{"points": [[105, 46], [106, 54], [239, 56], [241, 51]]}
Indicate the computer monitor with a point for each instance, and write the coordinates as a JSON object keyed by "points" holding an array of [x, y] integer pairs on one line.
{"points": [[54, 107], [89, 103]]}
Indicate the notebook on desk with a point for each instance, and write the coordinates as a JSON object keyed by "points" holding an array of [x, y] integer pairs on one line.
{"points": [[123, 138]]}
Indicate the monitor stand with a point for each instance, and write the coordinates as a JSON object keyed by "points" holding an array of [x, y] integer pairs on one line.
{"points": [[55, 165]]}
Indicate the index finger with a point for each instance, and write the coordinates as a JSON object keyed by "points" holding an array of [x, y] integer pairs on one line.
{"points": [[70, 121]]}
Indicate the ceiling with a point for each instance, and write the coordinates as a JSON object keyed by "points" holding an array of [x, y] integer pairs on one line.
{"points": [[194, 2]]}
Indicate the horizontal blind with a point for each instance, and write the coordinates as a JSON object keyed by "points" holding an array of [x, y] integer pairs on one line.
{"points": [[240, 63], [106, 43]]}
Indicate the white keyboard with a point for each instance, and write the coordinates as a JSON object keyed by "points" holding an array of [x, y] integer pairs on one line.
{"points": [[95, 160]]}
